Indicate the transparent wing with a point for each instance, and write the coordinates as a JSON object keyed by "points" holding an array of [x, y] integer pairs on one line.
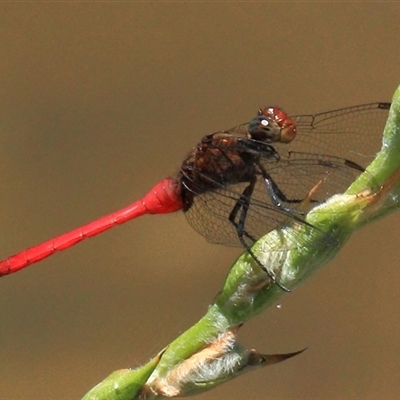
{"points": [[318, 177], [210, 212], [352, 133], [305, 180]]}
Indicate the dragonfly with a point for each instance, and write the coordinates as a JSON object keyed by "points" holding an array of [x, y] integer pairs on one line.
{"points": [[239, 184]]}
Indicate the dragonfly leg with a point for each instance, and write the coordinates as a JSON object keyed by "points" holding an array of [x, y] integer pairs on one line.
{"points": [[242, 207], [278, 197]]}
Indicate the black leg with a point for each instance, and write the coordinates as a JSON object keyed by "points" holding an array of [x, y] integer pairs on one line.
{"points": [[277, 196], [242, 207]]}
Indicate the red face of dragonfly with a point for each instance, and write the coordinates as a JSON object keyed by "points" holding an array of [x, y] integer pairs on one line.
{"points": [[287, 130]]}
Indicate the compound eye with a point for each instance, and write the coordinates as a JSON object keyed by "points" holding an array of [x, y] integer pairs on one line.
{"points": [[264, 129]]}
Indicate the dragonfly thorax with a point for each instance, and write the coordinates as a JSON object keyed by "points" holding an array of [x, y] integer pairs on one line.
{"points": [[218, 161]]}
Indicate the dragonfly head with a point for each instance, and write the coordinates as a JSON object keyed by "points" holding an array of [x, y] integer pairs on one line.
{"points": [[286, 124]]}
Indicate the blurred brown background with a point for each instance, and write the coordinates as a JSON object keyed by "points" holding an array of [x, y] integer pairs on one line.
{"points": [[98, 101]]}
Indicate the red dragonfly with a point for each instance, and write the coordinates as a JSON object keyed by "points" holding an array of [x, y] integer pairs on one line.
{"points": [[239, 184]]}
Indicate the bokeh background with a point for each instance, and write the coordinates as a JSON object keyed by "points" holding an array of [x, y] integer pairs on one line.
{"points": [[98, 101]]}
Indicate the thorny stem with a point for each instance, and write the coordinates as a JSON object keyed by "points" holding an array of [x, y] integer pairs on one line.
{"points": [[207, 354]]}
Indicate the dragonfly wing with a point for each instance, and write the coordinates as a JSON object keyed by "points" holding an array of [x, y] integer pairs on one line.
{"points": [[211, 211], [209, 214], [352, 133], [306, 180]]}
